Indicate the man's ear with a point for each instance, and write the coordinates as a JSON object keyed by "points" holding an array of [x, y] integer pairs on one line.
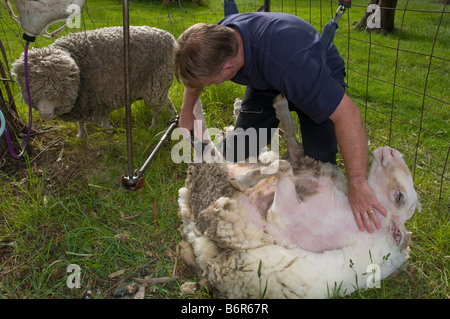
{"points": [[228, 66]]}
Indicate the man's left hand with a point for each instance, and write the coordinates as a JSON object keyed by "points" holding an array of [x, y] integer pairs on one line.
{"points": [[364, 205]]}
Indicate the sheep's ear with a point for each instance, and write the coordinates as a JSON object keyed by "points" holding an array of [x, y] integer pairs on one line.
{"points": [[419, 206], [71, 69], [73, 72], [408, 237]]}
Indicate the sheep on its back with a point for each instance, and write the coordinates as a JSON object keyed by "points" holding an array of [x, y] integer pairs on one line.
{"points": [[296, 223], [79, 77]]}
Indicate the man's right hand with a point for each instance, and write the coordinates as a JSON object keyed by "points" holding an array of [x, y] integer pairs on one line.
{"points": [[186, 121]]}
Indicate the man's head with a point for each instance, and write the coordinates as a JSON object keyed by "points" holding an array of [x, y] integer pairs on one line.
{"points": [[202, 53]]}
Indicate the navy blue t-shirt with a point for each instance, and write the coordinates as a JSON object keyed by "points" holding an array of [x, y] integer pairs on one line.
{"points": [[283, 54]]}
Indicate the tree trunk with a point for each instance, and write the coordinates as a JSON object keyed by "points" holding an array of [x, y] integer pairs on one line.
{"points": [[7, 105], [379, 16]]}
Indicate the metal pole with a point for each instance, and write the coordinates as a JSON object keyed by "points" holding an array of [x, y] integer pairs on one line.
{"points": [[169, 131], [126, 73]]}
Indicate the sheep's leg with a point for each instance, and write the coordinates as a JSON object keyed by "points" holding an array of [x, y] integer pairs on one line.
{"points": [[170, 107], [107, 125], [156, 116], [164, 105], [285, 198], [155, 105], [201, 135], [247, 180], [82, 132], [200, 132], [253, 176], [281, 107], [236, 108]]}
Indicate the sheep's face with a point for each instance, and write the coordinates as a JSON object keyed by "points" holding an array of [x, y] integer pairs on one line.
{"points": [[393, 186], [53, 79]]}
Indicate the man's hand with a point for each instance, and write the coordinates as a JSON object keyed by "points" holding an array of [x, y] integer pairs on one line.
{"points": [[352, 142], [364, 205], [186, 121]]}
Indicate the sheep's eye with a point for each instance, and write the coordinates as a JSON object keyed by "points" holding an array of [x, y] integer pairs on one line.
{"points": [[399, 198]]}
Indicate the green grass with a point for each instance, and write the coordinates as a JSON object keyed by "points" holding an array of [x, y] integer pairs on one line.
{"points": [[63, 204]]}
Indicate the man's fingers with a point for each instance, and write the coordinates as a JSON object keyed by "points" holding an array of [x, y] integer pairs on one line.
{"points": [[367, 222], [359, 221], [373, 215], [364, 221], [380, 209]]}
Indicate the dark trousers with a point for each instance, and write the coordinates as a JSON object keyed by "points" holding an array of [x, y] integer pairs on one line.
{"points": [[229, 7], [257, 112]]}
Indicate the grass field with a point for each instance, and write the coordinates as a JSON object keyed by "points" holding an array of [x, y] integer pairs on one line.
{"points": [[63, 204]]}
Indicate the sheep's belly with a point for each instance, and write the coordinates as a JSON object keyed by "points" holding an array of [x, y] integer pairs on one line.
{"points": [[321, 222]]}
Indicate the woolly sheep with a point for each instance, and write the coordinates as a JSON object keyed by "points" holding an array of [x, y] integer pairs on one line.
{"points": [[79, 77], [292, 230]]}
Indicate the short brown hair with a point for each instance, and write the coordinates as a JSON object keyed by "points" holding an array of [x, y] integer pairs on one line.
{"points": [[201, 52]]}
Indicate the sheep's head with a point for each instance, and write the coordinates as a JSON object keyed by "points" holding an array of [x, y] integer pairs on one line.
{"points": [[54, 80], [393, 186]]}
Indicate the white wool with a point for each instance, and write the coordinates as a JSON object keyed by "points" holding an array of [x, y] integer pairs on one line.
{"points": [[292, 273], [228, 253]]}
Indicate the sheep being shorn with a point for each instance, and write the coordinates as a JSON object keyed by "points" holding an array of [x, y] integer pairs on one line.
{"points": [[296, 224], [79, 77]]}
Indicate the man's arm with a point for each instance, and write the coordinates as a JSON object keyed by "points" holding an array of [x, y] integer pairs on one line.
{"points": [[352, 143], [187, 118]]}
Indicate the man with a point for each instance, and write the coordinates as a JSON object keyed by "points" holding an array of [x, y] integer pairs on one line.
{"points": [[274, 53]]}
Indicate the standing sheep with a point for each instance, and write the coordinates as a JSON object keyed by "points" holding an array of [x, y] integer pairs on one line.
{"points": [[292, 230], [79, 77]]}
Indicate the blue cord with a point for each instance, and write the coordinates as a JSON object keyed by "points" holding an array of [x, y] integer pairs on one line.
{"points": [[2, 123]]}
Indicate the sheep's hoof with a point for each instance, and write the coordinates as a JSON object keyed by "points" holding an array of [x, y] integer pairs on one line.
{"points": [[284, 166], [110, 131]]}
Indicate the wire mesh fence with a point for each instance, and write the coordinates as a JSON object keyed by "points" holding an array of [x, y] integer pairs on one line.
{"points": [[399, 80]]}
